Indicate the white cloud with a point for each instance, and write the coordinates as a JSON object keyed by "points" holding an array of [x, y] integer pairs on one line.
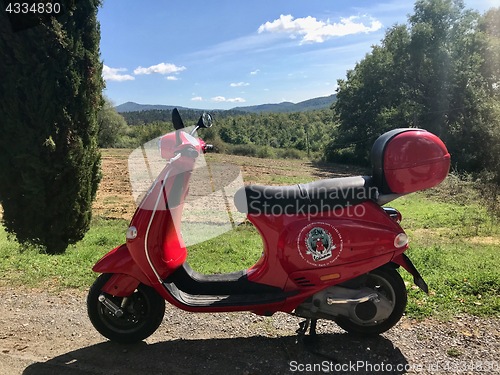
{"points": [[222, 99], [316, 31], [255, 72], [113, 74], [236, 100], [197, 99], [172, 78], [162, 68], [239, 84], [218, 99]]}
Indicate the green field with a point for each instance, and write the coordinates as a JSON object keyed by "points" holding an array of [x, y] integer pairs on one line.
{"points": [[455, 243]]}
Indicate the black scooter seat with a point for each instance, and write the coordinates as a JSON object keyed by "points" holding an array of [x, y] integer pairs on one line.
{"points": [[311, 198]]}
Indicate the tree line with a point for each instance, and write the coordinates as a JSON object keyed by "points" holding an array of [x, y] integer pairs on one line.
{"points": [[440, 72], [298, 134]]}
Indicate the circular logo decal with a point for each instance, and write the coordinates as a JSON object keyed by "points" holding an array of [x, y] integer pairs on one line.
{"points": [[319, 244]]}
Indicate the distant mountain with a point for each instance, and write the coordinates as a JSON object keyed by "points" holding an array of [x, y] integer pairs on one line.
{"points": [[316, 103], [307, 105], [278, 107], [135, 107]]}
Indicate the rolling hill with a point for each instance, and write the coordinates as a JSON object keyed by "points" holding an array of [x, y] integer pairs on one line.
{"points": [[307, 105]]}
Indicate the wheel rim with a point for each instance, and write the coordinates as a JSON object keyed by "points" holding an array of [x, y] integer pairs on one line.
{"points": [[135, 313], [383, 288]]}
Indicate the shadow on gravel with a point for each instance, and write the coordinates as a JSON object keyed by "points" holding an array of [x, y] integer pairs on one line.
{"points": [[331, 353]]}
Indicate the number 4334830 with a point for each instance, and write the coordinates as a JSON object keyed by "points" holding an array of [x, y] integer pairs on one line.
{"points": [[41, 8]]}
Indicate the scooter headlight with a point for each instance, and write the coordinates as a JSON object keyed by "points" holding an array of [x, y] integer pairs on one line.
{"points": [[401, 240]]}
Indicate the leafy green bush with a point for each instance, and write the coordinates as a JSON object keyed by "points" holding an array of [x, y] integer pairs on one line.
{"points": [[244, 150], [266, 152], [334, 154]]}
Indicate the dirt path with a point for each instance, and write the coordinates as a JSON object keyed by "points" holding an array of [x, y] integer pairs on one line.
{"points": [[42, 333]]}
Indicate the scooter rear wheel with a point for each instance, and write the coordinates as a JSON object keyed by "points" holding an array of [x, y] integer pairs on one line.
{"points": [[388, 283], [142, 313]]}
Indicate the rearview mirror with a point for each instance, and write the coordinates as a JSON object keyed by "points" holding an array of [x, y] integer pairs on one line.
{"points": [[177, 120], [205, 120]]}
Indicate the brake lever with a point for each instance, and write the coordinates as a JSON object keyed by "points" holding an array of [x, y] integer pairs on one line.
{"points": [[176, 157]]}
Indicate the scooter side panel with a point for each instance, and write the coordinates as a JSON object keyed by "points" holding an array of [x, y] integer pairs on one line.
{"points": [[268, 269], [338, 237], [317, 241]]}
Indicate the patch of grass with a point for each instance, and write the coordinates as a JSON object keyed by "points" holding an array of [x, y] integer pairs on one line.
{"points": [[282, 180], [73, 269], [462, 278], [455, 248], [232, 251], [453, 352]]}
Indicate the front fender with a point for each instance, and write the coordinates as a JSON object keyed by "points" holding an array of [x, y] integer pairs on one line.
{"points": [[127, 274]]}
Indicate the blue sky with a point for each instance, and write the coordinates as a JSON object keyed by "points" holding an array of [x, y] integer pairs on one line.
{"points": [[221, 54]]}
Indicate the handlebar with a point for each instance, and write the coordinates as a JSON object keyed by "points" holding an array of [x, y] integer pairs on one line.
{"points": [[190, 152]]}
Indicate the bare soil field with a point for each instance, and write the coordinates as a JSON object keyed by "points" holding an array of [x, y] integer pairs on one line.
{"points": [[47, 333], [114, 198]]}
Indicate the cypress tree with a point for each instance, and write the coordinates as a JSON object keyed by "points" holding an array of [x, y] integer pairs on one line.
{"points": [[50, 93]]}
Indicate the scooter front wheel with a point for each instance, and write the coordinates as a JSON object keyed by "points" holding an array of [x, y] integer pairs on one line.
{"points": [[140, 314], [390, 287]]}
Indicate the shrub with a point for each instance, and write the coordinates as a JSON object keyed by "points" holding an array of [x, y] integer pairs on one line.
{"points": [[290, 153], [244, 150], [266, 152]]}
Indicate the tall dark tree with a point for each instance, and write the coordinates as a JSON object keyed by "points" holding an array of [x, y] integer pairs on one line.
{"points": [[50, 92]]}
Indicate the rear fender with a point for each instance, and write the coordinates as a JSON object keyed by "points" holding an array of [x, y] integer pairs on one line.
{"points": [[126, 273], [405, 262]]}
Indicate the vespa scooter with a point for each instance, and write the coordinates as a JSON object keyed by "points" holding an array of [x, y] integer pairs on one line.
{"points": [[331, 250]]}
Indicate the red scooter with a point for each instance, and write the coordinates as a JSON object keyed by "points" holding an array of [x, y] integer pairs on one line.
{"points": [[331, 251]]}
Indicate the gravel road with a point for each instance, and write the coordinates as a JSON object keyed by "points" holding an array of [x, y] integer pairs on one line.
{"points": [[49, 333]]}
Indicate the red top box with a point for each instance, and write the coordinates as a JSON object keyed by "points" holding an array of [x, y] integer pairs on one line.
{"points": [[408, 160]]}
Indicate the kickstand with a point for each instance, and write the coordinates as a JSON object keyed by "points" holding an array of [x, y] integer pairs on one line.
{"points": [[311, 339], [303, 326]]}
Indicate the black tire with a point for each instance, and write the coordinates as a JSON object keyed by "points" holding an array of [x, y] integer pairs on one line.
{"points": [[389, 283], [142, 316]]}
